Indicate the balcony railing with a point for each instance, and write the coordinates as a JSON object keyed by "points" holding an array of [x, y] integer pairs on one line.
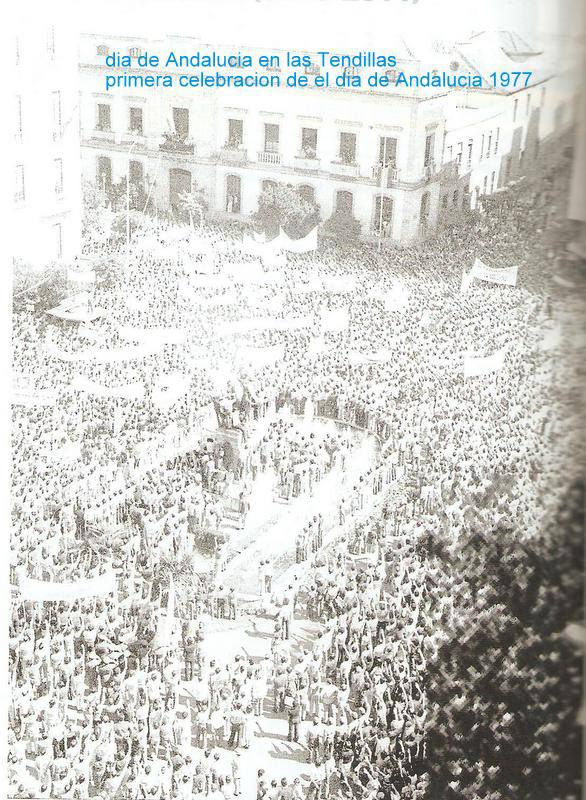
{"points": [[233, 155], [303, 162], [177, 144], [347, 168], [387, 175], [266, 157]]}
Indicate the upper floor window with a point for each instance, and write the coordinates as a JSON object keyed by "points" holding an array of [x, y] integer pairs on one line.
{"points": [[102, 50], [387, 151], [235, 133], [271, 138], [17, 50], [181, 122], [470, 151], [528, 108], [429, 148], [135, 120], [496, 141], [104, 120], [134, 52], [347, 148], [19, 187], [311, 69], [58, 167], [515, 106], [309, 142]]}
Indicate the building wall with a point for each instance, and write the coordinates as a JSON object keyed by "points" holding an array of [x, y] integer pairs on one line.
{"points": [[506, 131], [45, 218]]}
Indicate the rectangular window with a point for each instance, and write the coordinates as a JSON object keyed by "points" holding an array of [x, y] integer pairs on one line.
{"points": [[134, 52], [429, 146], [18, 110], [51, 42], [271, 137], [104, 117], [135, 172], [482, 148], [515, 105], [496, 141], [235, 133], [492, 182], [347, 148], [135, 121], [309, 142], [58, 166], [445, 201], [387, 151], [311, 69], [57, 115], [58, 239], [450, 153], [528, 109], [484, 184], [19, 187], [104, 173], [470, 149], [489, 145], [459, 153], [455, 198], [181, 122]]}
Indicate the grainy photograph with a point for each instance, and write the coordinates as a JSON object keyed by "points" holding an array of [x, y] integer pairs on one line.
{"points": [[297, 369]]}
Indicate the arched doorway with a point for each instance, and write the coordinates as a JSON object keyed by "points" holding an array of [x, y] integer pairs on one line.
{"points": [[383, 215], [233, 194], [344, 202], [307, 193], [179, 183]]}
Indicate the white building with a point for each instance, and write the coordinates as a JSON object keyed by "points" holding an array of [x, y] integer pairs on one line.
{"points": [[45, 221], [397, 157]]}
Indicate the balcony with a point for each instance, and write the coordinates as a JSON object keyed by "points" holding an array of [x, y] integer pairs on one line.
{"points": [[230, 154], [105, 134], [268, 157], [430, 171], [346, 169], [387, 176], [177, 145], [305, 162]]}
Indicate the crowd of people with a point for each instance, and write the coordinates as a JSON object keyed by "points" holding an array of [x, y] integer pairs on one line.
{"points": [[115, 479]]}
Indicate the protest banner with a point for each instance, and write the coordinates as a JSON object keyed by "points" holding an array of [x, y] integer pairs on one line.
{"points": [[48, 591], [483, 365]]}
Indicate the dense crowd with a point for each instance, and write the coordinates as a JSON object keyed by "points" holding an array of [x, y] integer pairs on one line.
{"points": [[117, 478]]}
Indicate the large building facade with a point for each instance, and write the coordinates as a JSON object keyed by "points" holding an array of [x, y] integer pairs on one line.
{"points": [[45, 218], [399, 158]]}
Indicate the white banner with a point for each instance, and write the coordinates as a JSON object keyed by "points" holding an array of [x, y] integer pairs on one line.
{"points": [[339, 285], [266, 324], [313, 285], [130, 391], [47, 591], [34, 397], [483, 365], [336, 320], [260, 357], [465, 283], [303, 245], [107, 356], [503, 275], [81, 277], [397, 298], [152, 335], [552, 338], [169, 389]]}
